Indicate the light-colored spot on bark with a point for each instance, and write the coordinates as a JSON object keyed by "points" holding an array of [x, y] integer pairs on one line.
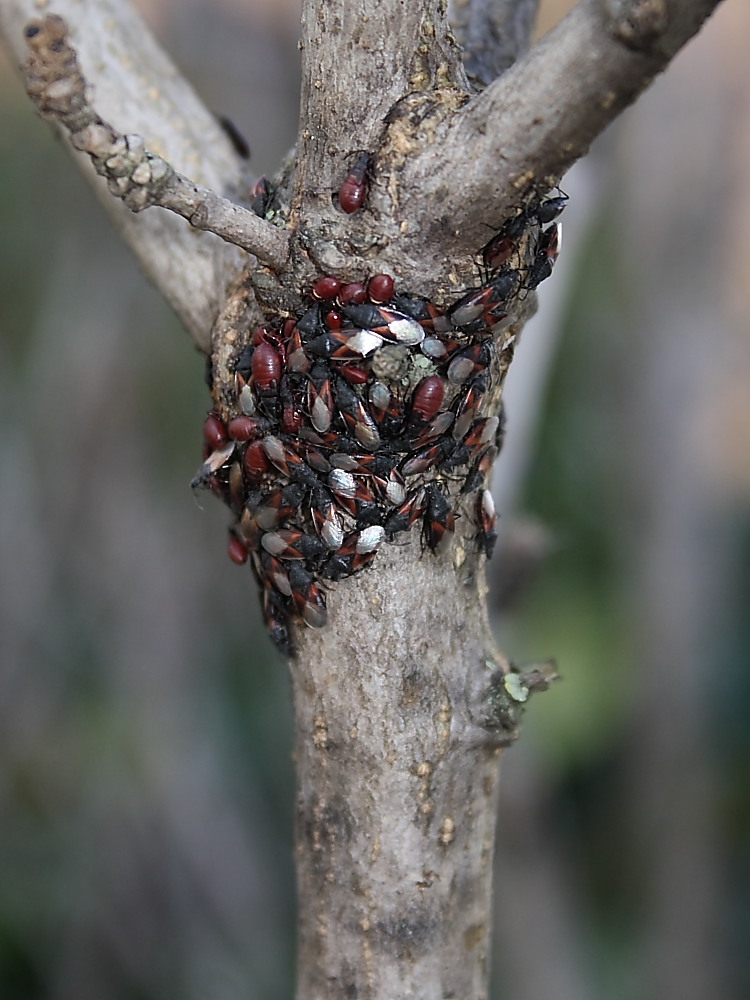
{"points": [[320, 732], [473, 936], [375, 852], [447, 832], [523, 179]]}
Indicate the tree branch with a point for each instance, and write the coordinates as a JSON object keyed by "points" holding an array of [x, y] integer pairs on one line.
{"points": [[140, 178], [532, 124], [139, 88], [492, 33]]}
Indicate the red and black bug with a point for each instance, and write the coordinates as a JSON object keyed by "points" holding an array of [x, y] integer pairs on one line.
{"points": [[467, 405], [486, 519], [389, 324], [470, 362], [545, 257], [320, 399], [356, 415], [307, 597], [277, 620], [273, 509], [407, 515], [439, 520], [273, 570], [551, 208], [292, 543], [354, 188], [483, 303], [328, 523], [345, 345], [260, 196], [428, 457]]}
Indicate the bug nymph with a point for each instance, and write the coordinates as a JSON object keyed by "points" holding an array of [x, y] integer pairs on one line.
{"points": [[353, 190], [266, 368]]}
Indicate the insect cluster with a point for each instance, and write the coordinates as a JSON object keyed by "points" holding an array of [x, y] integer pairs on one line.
{"points": [[363, 417]]}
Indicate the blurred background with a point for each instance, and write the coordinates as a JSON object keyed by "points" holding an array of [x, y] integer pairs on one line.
{"points": [[146, 784]]}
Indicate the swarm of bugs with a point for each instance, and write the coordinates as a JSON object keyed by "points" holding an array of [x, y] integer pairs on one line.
{"points": [[362, 417]]}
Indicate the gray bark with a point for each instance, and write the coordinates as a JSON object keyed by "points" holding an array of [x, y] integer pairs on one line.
{"points": [[402, 702]]}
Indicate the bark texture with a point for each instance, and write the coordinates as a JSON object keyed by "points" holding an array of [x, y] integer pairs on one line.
{"points": [[402, 701]]}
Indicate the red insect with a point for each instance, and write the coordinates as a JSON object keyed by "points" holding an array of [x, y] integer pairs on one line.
{"points": [[326, 288], [256, 462], [357, 551], [380, 288], [237, 550], [333, 320], [427, 400], [354, 374], [247, 428], [481, 433], [214, 431], [266, 369], [438, 426], [353, 294], [353, 191], [292, 416]]}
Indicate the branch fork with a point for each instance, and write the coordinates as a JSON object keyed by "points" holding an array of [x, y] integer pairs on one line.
{"points": [[141, 179]]}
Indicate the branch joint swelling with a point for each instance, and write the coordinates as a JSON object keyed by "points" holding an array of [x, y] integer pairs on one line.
{"points": [[638, 24]]}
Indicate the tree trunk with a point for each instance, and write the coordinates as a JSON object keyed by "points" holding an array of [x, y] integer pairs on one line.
{"points": [[402, 703]]}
